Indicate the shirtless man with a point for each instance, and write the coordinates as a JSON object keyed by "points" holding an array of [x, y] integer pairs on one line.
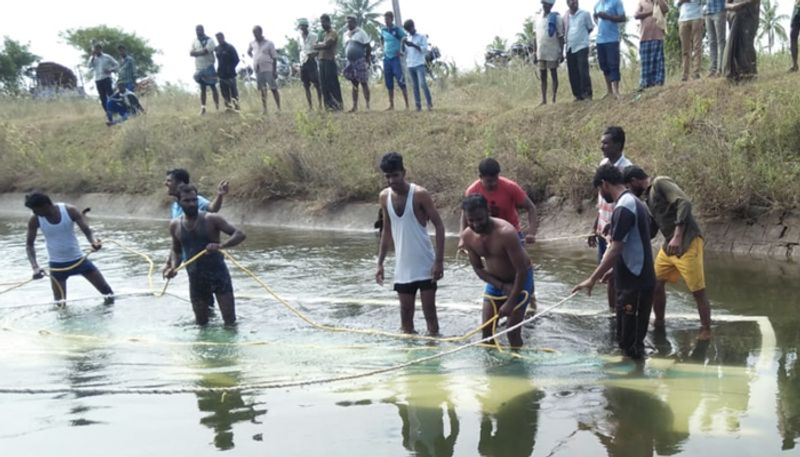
{"points": [[57, 222], [407, 208], [208, 275], [506, 267]]}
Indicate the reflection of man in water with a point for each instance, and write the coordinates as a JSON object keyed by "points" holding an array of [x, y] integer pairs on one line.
{"points": [[423, 418], [208, 275], [57, 222], [510, 413], [506, 267]]}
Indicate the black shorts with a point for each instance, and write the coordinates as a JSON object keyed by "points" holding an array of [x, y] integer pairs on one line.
{"points": [[412, 287], [204, 283], [309, 74]]}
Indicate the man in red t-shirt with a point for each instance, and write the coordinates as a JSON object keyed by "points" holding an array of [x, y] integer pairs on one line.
{"points": [[505, 197]]}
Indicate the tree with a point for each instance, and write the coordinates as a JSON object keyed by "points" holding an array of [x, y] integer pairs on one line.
{"points": [[770, 23], [364, 12], [15, 58], [497, 44], [528, 33], [84, 40], [292, 49]]}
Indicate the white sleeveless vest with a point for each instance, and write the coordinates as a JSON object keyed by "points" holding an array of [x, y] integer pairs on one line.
{"points": [[413, 249], [62, 244]]}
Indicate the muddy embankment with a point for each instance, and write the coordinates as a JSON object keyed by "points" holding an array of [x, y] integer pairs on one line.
{"points": [[772, 235]]}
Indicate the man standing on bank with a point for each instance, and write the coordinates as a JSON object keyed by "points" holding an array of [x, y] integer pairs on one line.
{"points": [[408, 208], [631, 257], [392, 38], [505, 267], [205, 74], [358, 51], [309, 73], [328, 71], [66, 259], [192, 233], [265, 61], [681, 256]]}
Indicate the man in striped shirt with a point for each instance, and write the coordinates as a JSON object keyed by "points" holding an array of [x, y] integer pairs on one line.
{"points": [[126, 74]]}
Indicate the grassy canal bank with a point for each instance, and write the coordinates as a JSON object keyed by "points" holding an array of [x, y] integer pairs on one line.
{"points": [[734, 148]]}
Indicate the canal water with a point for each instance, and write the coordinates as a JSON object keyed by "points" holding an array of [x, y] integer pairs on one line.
{"points": [[567, 393]]}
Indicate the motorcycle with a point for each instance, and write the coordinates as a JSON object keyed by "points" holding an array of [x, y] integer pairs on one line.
{"points": [[434, 66], [496, 58]]}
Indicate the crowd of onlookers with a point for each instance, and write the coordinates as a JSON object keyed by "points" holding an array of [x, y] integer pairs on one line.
{"points": [[729, 25]]}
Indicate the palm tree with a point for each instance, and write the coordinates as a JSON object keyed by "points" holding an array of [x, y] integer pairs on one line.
{"points": [[528, 33], [770, 23], [364, 12]]}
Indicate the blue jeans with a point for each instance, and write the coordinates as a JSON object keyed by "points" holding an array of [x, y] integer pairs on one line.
{"points": [[114, 107], [418, 78]]}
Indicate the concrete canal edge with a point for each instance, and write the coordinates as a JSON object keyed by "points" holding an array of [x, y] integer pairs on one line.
{"points": [[773, 235]]}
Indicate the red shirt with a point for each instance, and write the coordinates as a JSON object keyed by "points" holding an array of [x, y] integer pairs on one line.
{"points": [[503, 201]]}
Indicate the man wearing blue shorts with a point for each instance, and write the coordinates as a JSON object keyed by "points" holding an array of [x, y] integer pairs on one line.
{"points": [[609, 14], [505, 267], [392, 38], [57, 222]]}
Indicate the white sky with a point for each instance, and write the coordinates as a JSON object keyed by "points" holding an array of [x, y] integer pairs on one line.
{"points": [[460, 29]]}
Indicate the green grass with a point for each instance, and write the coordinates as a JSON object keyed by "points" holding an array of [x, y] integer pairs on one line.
{"points": [[732, 147]]}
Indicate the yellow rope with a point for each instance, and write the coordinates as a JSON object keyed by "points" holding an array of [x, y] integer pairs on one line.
{"points": [[493, 300], [331, 328]]}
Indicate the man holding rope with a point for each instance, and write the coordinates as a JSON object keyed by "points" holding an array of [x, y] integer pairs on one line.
{"points": [[506, 268], [195, 237], [64, 253], [631, 257]]}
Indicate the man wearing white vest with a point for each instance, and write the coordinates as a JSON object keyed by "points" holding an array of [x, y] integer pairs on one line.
{"points": [[408, 208], [57, 222]]}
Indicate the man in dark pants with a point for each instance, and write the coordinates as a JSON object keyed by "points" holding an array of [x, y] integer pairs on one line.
{"points": [[57, 222], [309, 73], [328, 71], [631, 257], [102, 66], [192, 233], [227, 60], [578, 24]]}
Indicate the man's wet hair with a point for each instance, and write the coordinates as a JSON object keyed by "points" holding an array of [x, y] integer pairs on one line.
{"points": [[391, 162], [617, 135], [37, 199], [489, 167], [474, 201], [179, 174], [185, 189], [633, 172], [608, 173]]}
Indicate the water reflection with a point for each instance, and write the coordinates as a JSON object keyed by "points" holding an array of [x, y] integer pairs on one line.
{"points": [[508, 428], [430, 425], [220, 367], [789, 399]]}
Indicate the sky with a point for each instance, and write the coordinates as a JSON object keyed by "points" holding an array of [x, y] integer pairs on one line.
{"points": [[461, 29]]}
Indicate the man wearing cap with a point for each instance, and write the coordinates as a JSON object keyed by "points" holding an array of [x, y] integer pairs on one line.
{"points": [[357, 49], [309, 74]]}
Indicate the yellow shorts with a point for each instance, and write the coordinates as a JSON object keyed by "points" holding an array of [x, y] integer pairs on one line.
{"points": [[689, 266]]}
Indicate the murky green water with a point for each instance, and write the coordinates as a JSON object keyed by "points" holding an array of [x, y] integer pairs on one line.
{"points": [[568, 395]]}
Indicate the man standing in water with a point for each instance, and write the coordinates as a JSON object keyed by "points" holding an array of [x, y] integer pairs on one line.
{"points": [[179, 176], [408, 208], [506, 267], [192, 233], [612, 143], [64, 253], [504, 197], [631, 257], [682, 252]]}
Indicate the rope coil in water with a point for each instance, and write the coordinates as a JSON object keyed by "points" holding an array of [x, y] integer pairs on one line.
{"points": [[273, 385]]}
